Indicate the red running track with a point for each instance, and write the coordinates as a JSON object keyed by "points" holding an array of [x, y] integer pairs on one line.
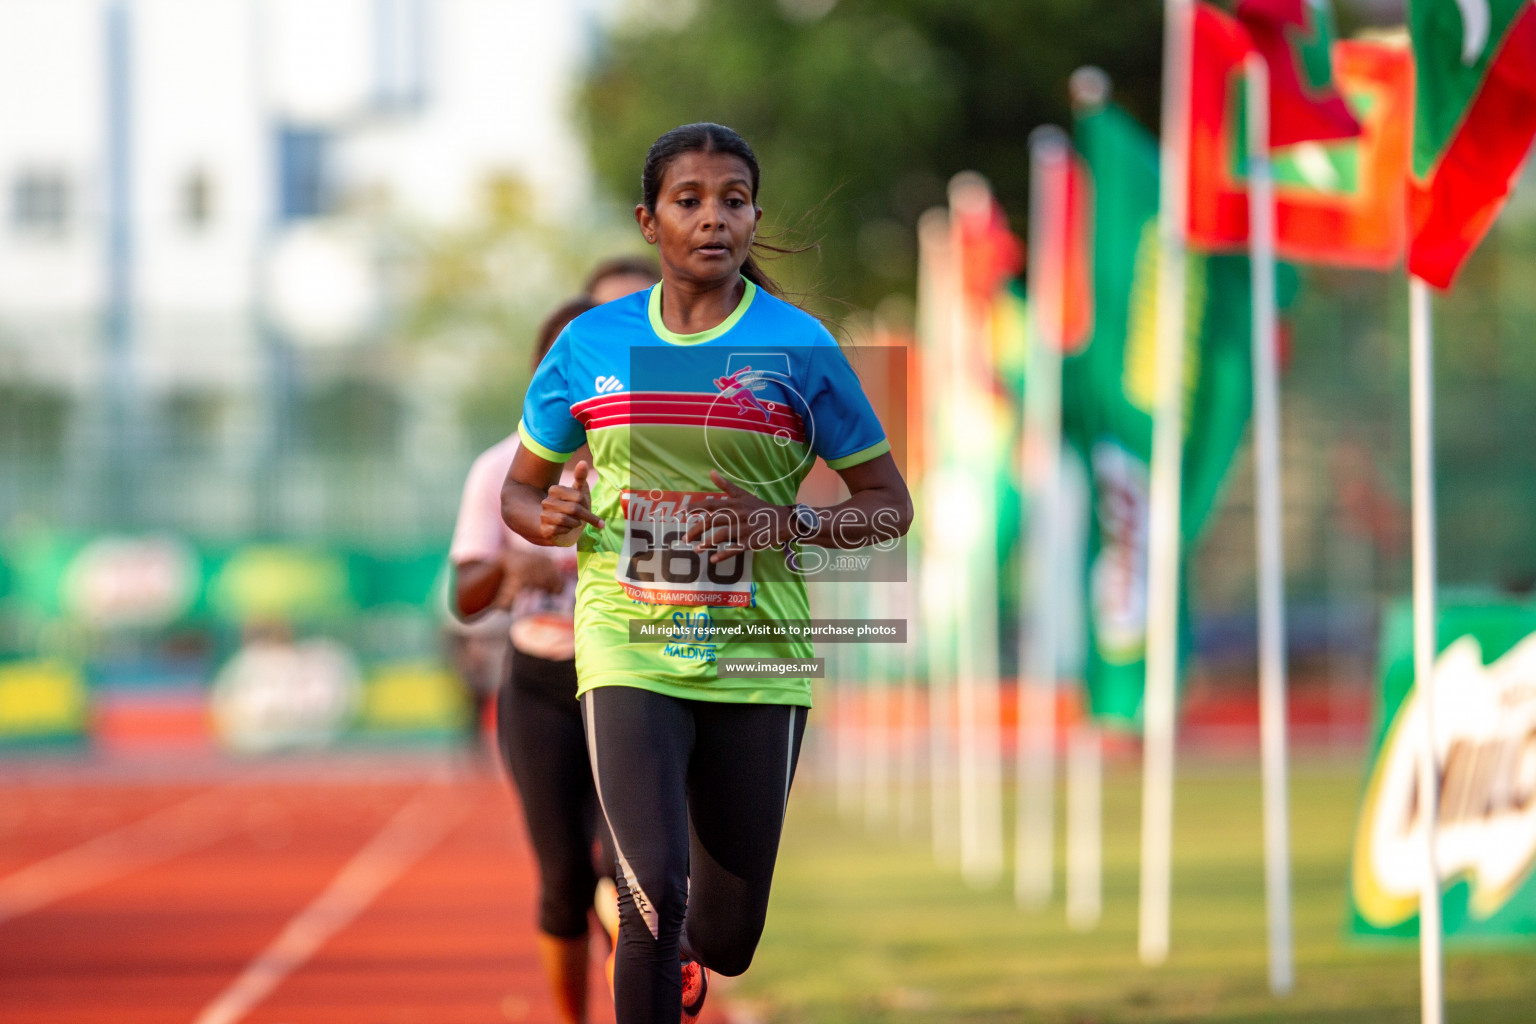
{"points": [[291, 893]]}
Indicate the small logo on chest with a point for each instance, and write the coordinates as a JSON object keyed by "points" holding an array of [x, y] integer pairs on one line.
{"points": [[606, 384]]}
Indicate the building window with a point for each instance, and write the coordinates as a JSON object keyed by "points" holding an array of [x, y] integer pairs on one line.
{"points": [[303, 173], [40, 202], [196, 200]]}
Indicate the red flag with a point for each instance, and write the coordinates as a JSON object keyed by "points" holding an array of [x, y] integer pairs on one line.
{"points": [[1062, 259], [1077, 258], [990, 253], [1336, 202], [1296, 39]]}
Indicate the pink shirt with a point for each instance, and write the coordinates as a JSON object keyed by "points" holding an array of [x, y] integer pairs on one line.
{"points": [[543, 624]]}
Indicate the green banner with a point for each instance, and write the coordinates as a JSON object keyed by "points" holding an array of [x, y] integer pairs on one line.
{"points": [[1485, 739]]}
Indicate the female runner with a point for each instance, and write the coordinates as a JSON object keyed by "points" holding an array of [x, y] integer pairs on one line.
{"points": [[538, 721], [705, 401]]}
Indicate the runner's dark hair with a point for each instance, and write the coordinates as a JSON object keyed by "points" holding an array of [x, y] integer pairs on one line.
{"points": [[553, 324], [708, 137], [622, 266]]}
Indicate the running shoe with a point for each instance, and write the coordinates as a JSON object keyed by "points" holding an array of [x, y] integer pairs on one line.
{"points": [[695, 986]]}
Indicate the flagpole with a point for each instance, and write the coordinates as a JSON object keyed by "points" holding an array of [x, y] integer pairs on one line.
{"points": [[877, 707], [1267, 512], [850, 725], [981, 836], [1085, 756], [1085, 826], [937, 292], [907, 734], [1034, 845], [1422, 437], [1090, 89], [1164, 531]]}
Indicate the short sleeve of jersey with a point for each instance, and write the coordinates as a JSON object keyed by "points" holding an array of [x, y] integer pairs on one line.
{"points": [[846, 429], [548, 429]]}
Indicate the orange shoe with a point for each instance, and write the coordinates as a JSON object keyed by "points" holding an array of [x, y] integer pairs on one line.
{"points": [[695, 987]]}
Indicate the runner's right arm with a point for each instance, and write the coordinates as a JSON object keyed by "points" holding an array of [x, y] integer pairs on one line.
{"points": [[533, 502], [539, 509]]}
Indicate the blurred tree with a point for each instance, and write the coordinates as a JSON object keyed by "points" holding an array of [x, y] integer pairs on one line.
{"points": [[861, 110]]}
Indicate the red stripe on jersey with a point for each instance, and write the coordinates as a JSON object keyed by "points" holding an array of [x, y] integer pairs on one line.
{"points": [[685, 409], [716, 421]]}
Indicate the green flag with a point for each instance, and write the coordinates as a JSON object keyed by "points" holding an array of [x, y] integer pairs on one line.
{"points": [[1109, 393]]}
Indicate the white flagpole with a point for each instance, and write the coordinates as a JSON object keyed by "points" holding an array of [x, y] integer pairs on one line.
{"points": [[850, 710], [907, 734], [1267, 511], [1085, 828], [981, 824], [1167, 455], [937, 293], [1422, 440], [1090, 89], [877, 710], [962, 568], [1034, 846]]}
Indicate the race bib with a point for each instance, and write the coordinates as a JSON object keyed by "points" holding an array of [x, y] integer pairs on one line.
{"points": [[658, 567]]}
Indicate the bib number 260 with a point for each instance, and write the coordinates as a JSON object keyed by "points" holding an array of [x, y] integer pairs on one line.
{"points": [[657, 565]]}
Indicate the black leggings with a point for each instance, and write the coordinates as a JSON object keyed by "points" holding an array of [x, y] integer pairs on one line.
{"points": [[694, 792], [538, 727]]}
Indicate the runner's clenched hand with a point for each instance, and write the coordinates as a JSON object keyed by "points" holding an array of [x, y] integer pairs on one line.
{"points": [[566, 511], [734, 521]]}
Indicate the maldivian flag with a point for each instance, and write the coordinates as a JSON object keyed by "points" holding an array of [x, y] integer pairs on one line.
{"points": [[1474, 118], [1109, 393], [1339, 202], [1296, 39]]}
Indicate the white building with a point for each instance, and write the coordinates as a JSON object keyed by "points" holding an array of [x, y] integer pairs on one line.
{"points": [[212, 171]]}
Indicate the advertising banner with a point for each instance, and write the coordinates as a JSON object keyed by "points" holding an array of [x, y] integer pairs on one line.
{"points": [[156, 639], [42, 702], [1485, 743]]}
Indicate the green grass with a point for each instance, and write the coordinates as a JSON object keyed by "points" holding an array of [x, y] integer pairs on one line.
{"points": [[866, 928]]}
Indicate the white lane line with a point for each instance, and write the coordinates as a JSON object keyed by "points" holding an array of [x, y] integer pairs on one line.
{"points": [[404, 839], [193, 824]]}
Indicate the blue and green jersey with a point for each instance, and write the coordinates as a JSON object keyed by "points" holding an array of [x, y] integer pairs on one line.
{"points": [[757, 398]]}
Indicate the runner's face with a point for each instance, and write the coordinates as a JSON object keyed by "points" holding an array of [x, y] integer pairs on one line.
{"points": [[704, 219]]}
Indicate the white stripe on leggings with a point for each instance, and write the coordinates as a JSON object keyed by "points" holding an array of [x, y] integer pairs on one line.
{"points": [[637, 895], [789, 758]]}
